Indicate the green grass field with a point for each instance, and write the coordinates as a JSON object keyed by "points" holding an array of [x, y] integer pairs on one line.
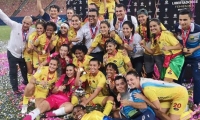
{"points": [[4, 33]]}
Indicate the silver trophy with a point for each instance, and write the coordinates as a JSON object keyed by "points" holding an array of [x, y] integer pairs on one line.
{"points": [[80, 92]]}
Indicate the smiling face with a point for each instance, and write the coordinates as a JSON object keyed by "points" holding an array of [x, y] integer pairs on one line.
{"points": [[142, 18], [53, 12], [49, 31], [133, 82], [154, 27], [110, 47], [63, 30], [78, 113], [110, 72], [70, 71], [79, 55], [93, 18], [94, 67], [104, 29], [185, 21], [120, 13], [127, 31], [70, 13], [63, 51], [26, 23], [53, 65], [76, 23], [120, 85], [39, 29]]}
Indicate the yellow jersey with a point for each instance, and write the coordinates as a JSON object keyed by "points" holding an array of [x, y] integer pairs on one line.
{"points": [[166, 39], [94, 115], [42, 42], [84, 64], [119, 59], [99, 40], [43, 74], [94, 81]]}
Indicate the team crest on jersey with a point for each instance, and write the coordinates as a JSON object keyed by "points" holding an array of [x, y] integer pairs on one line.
{"points": [[191, 37], [170, 72]]}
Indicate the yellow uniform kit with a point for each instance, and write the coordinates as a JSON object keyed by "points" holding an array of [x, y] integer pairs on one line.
{"points": [[43, 44], [84, 64], [97, 2], [119, 59], [94, 115], [167, 39], [99, 40], [31, 39], [94, 82], [40, 75], [110, 5], [170, 95]]}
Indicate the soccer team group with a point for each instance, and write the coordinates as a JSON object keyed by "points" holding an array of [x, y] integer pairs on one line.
{"points": [[113, 60]]}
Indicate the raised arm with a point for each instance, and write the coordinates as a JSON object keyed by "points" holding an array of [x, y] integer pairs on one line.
{"points": [[39, 7], [6, 19]]}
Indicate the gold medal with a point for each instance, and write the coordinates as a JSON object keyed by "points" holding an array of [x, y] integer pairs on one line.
{"points": [[185, 49]]}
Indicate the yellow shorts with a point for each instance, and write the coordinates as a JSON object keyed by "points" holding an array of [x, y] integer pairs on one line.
{"points": [[40, 92], [109, 5], [38, 59], [180, 102], [28, 57], [170, 74], [96, 100], [97, 2]]}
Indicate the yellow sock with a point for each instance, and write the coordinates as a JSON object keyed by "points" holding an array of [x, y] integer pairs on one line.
{"points": [[110, 16], [29, 77], [25, 100], [108, 107], [74, 100]]}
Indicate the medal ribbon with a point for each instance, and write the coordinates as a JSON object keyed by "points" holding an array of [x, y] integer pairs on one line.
{"points": [[185, 37]]}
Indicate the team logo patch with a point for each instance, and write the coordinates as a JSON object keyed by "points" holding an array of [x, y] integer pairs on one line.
{"points": [[170, 72]]}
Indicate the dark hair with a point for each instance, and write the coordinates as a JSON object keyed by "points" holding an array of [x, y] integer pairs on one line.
{"points": [[148, 29], [95, 60], [105, 22], [59, 32], [81, 106], [153, 35], [95, 6], [111, 40], [55, 6], [120, 77], [49, 23], [56, 59], [112, 65], [186, 11], [94, 10], [78, 16], [80, 47], [66, 45], [133, 72], [70, 8], [40, 22], [120, 5], [131, 25], [66, 79]]}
